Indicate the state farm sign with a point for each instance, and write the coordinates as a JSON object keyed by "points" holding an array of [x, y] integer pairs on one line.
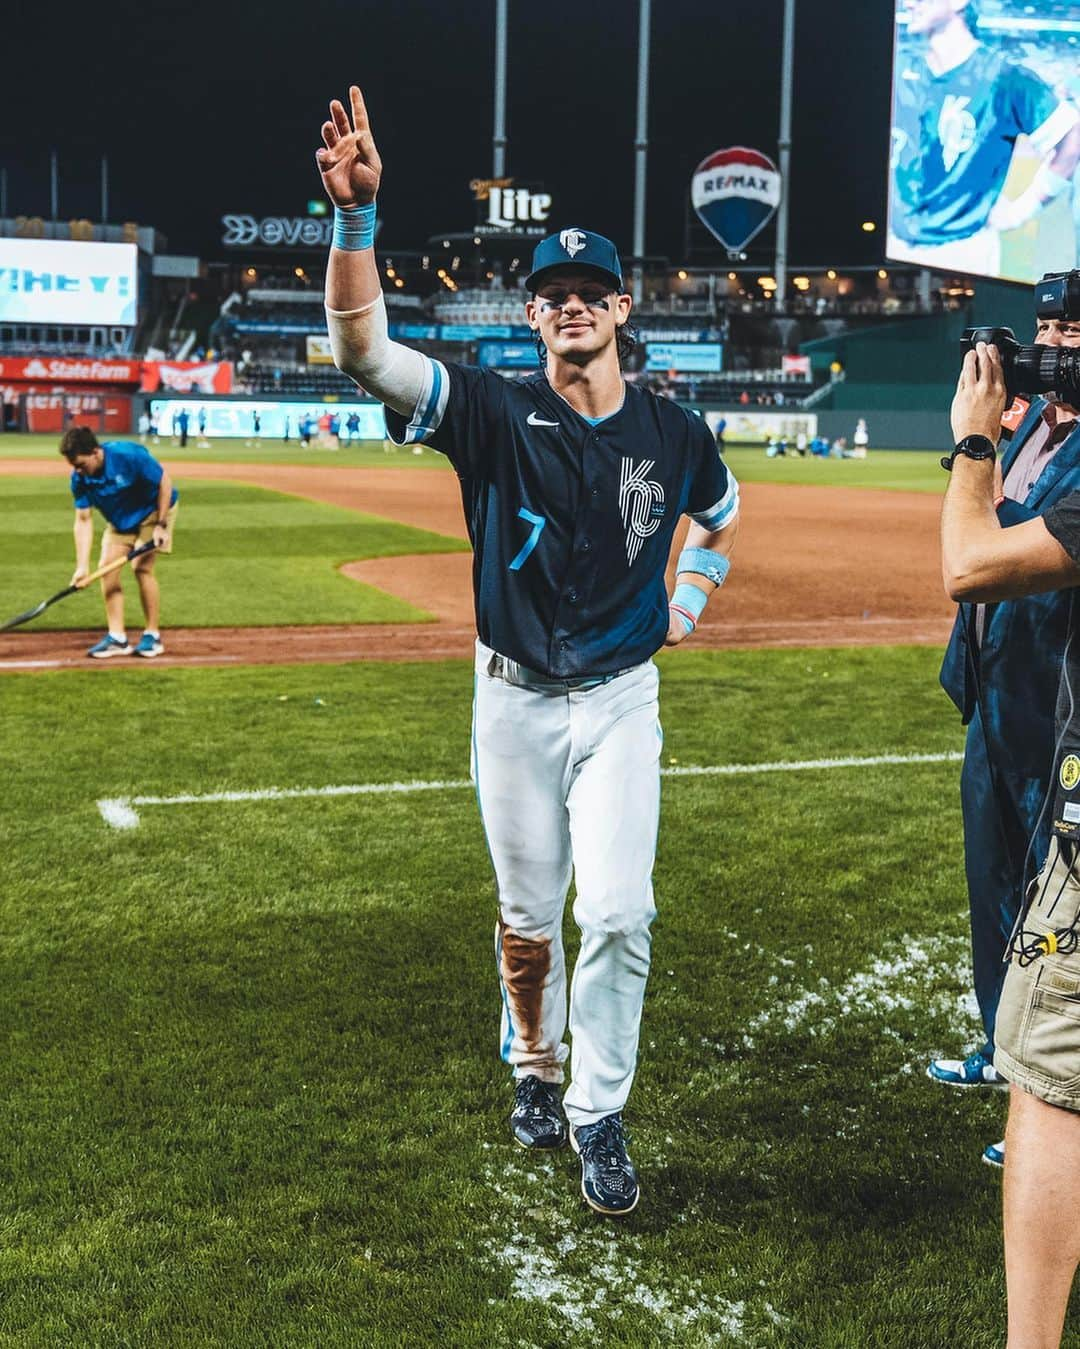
{"points": [[70, 370]]}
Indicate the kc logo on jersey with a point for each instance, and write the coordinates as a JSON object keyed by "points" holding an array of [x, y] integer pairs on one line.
{"points": [[641, 504], [956, 129]]}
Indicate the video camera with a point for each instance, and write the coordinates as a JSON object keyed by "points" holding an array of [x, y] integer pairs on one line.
{"points": [[1033, 369]]}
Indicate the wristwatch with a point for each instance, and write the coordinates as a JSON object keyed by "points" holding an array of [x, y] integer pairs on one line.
{"points": [[974, 447]]}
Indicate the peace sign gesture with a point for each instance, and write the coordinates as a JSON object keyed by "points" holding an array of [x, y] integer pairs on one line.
{"points": [[350, 164]]}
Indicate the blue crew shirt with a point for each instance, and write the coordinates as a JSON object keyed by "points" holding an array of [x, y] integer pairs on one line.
{"points": [[126, 490], [953, 137]]}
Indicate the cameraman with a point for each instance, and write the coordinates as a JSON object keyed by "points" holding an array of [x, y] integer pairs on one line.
{"points": [[1039, 1020], [1001, 670]]}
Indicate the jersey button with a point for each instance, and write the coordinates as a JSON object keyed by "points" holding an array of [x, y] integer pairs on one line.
{"points": [[571, 595], [585, 545]]}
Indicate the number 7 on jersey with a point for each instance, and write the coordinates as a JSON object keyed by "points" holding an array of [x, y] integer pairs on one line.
{"points": [[538, 522]]}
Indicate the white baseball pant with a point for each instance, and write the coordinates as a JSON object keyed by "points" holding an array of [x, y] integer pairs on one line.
{"points": [[568, 780]]}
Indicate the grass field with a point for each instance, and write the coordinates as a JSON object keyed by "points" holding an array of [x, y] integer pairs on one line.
{"points": [[243, 556], [904, 470], [250, 1089]]}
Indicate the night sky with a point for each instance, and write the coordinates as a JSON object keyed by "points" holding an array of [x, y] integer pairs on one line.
{"points": [[206, 108]]}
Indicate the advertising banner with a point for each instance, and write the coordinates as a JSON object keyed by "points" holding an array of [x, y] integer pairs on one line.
{"points": [[646, 334], [755, 428], [507, 355], [56, 281], [319, 350], [70, 369], [187, 376], [983, 161], [694, 357], [235, 418], [795, 365], [404, 332], [48, 410], [735, 193]]}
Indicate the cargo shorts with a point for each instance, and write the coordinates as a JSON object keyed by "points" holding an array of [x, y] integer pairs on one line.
{"points": [[1037, 1035], [142, 533]]}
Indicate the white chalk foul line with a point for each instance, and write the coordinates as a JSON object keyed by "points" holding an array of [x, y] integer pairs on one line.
{"points": [[120, 812]]}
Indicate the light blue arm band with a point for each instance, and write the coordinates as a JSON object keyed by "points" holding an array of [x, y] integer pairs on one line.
{"points": [[687, 603], [704, 562], [354, 227]]}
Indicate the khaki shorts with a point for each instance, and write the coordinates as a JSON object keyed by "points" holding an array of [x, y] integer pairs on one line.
{"points": [[143, 534], [1037, 1035]]}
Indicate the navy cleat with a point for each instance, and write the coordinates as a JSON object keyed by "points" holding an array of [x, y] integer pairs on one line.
{"points": [[977, 1070], [608, 1179], [537, 1118]]}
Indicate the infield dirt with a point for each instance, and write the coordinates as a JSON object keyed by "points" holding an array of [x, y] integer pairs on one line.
{"points": [[814, 566]]}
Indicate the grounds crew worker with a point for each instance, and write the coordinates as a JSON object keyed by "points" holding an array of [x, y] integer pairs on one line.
{"points": [[1001, 670], [136, 496], [1037, 1042]]}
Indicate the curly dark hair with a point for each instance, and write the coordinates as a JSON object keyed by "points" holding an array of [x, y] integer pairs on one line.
{"points": [[626, 340]]}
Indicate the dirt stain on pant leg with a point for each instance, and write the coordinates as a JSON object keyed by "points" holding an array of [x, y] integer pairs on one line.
{"points": [[524, 967]]}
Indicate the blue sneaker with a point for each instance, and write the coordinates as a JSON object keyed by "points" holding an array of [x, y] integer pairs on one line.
{"points": [[977, 1070], [994, 1154], [537, 1119], [608, 1179], [110, 646], [150, 644]]}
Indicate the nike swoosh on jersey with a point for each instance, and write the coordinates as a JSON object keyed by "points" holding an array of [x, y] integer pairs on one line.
{"points": [[534, 420]]}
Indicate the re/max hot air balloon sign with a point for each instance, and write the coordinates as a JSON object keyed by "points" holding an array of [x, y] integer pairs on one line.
{"points": [[735, 192]]}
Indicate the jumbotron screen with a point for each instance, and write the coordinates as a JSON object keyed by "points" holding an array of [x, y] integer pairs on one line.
{"points": [[983, 175], [56, 281]]}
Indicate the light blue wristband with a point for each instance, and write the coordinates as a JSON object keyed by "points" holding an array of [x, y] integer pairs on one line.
{"points": [[704, 562], [354, 227], [687, 604]]}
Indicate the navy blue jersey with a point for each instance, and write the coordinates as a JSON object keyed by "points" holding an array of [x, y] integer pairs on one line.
{"points": [[571, 523], [953, 137]]}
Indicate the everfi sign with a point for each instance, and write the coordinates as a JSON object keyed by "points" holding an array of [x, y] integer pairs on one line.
{"points": [[276, 231]]}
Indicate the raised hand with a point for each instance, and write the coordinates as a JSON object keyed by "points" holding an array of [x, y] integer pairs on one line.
{"points": [[349, 164]]}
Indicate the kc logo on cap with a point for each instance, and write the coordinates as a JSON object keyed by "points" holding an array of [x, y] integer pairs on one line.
{"points": [[573, 241]]}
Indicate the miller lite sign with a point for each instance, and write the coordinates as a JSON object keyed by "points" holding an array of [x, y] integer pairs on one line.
{"points": [[510, 208], [735, 193]]}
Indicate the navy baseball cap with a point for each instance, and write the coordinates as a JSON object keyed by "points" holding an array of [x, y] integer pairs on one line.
{"points": [[579, 249]]}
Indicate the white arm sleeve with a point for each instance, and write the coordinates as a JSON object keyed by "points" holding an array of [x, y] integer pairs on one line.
{"points": [[396, 375], [720, 515], [1054, 130]]}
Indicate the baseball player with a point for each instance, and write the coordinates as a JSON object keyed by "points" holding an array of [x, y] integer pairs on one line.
{"points": [[959, 107], [136, 496], [573, 483]]}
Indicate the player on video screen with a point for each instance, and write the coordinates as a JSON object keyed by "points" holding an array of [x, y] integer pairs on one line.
{"points": [[959, 107]]}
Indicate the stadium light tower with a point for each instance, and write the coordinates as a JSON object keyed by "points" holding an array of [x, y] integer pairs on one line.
{"points": [[786, 81], [498, 156], [641, 141]]}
